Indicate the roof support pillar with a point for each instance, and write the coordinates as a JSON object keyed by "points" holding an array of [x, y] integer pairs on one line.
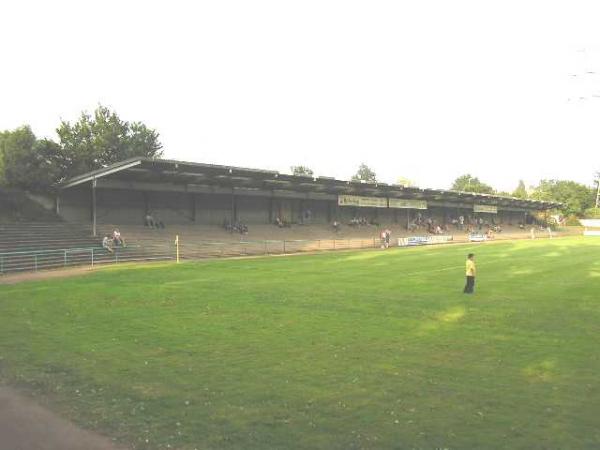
{"points": [[94, 213], [233, 206], [193, 198]]}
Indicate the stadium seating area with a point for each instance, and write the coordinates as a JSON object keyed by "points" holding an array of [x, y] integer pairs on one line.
{"points": [[38, 245]]}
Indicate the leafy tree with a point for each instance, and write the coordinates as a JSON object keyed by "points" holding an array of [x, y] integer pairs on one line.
{"points": [[302, 171], [592, 213], [597, 180], [29, 163], [3, 136], [521, 190], [97, 140], [575, 196], [405, 181], [364, 174], [469, 183]]}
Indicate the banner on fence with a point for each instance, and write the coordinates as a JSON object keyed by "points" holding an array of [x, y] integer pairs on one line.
{"points": [[592, 227], [490, 209], [423, 240], [407, 204], [357, 200]]}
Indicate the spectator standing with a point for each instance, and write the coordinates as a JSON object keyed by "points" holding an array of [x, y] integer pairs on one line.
{"points": [[470, 272], [117, 239]]}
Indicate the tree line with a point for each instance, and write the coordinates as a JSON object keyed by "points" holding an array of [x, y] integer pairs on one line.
{"points": [[92, 142], [579, 200], [102, 138]]}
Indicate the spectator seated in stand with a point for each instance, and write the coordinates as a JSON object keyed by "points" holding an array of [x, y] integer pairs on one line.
{"points": [[106, 244], [149, 220], [306, 217], [373, 222], [240, 227], [336, 226], [227, 225], [117, 238], [281, 223]]}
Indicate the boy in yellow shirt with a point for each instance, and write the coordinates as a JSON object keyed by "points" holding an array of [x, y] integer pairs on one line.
{"points": [[471, 271]]}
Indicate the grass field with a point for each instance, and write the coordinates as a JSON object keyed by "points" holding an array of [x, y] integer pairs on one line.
{"points": [[332, 351]]}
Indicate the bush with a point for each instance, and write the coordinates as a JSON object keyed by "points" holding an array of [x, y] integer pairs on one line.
{"points": [[572, 220], [592, 213]]}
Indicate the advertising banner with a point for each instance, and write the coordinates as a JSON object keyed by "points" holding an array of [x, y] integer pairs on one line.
{"points": [[490, 209], [356, 200], [407, 204], [423, 240]]}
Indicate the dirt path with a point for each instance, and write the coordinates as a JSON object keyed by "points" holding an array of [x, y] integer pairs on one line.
{"points": [[25, 425], [15, 278]]}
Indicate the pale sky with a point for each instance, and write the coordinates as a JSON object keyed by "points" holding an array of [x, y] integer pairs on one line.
{"points": [[426, 90]]}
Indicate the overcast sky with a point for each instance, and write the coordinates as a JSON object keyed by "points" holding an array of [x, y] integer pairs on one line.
{"points": [[426, 90]]}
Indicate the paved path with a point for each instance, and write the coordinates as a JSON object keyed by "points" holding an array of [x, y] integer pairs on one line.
{"points": [[25, 425]]}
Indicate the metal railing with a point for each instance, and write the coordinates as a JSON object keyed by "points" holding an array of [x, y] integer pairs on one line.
{"points": [[166, 249], [33, 260]]}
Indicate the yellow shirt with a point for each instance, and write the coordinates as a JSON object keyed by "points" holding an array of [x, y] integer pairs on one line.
{"points": [[471, 268]]}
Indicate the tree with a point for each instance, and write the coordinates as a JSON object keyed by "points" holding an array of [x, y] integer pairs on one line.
{"points": [[575, 196], [97, 140], [469, 183], [521, 190], [405, 182], [302, 171], [3, 136], [592, 213], [597, 180], [29, 163], [364, 174]]}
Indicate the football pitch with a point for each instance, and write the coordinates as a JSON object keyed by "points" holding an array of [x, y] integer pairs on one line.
{"points": [[340, 350]]}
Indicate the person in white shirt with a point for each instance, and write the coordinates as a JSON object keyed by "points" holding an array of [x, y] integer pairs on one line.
{"points": [[106, 244], [117, 239]]}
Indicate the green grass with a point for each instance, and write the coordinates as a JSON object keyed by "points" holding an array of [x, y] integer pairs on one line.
{"points": [[331, 351]]}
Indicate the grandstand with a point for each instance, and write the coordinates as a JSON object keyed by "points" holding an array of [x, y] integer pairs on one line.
{"points": [[205, 204]]}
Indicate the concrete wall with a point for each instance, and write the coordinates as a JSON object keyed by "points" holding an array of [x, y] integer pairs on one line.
{"points": [[252, 210], [75, 205]]}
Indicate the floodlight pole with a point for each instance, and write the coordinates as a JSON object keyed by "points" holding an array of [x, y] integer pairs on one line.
{"points": [[598, 192]]}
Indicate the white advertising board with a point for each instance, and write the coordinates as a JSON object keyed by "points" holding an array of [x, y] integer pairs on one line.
{"points": [[407, 204], [357, 200], [490, 209]]}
